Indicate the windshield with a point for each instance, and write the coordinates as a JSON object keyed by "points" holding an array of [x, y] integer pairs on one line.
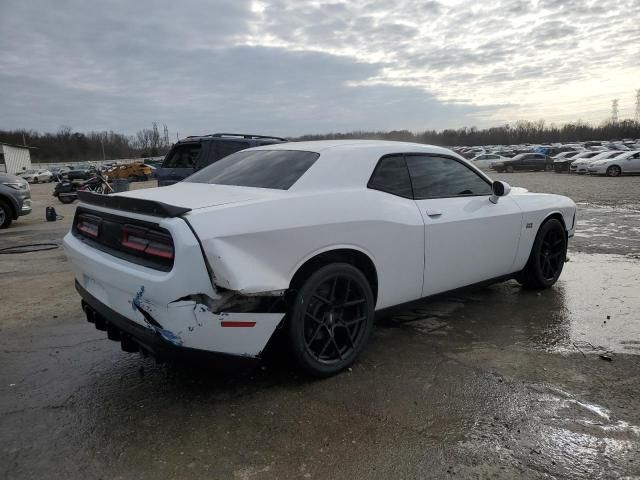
{"points": [[278, 169], [182, 156]]}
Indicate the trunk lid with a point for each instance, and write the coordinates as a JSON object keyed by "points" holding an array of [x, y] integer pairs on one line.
{"points": [[200, 195]]}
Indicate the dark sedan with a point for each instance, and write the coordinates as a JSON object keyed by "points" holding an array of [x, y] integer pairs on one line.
{"points": [[525, 162]]}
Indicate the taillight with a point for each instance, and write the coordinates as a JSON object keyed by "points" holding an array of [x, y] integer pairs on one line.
{"points": [[88, 225], [146, 241]]}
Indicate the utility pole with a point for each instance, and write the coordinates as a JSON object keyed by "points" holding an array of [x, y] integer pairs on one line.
{"points": [[24, 142], [638, 105], [614, 111], [102, 144]]}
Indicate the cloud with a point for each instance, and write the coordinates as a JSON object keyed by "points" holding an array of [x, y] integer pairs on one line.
{"points": [[287, 67]]}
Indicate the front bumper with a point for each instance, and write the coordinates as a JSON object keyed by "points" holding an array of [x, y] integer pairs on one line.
{"points": [[134, 337]]}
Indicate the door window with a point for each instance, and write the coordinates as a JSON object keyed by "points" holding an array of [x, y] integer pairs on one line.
{"points": [[434, 177], [391, 176]]}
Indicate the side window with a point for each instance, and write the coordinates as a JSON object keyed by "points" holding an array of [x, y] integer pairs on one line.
{"points": [[391, 176], [444, 177], [226, 148]]}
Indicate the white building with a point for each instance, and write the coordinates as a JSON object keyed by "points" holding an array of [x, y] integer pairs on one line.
{"points": [[14, 159]]}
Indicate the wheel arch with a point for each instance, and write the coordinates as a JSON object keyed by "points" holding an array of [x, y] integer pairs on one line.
{"points": [[343, 253]]}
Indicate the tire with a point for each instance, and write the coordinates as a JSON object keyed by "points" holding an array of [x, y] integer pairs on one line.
{"points": [[65, 199], [548, 167], [614, 171], [509, 169], [322, 341], [6, 215], [547, 256], [35, 179]]}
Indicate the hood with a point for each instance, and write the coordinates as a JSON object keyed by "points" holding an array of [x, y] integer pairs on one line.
{"points": [[5, 177], [518, 190], [201, 195]]}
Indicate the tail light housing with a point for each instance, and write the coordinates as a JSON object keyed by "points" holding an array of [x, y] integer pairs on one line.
{"points": [[137, 241], [89, 225], [147, 241]]}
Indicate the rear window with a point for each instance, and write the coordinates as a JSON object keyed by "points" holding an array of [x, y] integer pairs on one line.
{"points": [[182, 156], [277, 169]]}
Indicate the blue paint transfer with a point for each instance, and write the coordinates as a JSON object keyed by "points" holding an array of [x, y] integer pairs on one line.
{"points": [[135, 304]]}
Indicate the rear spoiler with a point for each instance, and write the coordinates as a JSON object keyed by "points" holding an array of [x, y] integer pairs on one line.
{"points": [[135, 205]]}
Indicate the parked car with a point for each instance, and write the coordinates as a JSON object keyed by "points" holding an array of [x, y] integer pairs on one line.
{"points": [[485, 160], [132, 171], [58, 173], [36, 176], [309, 237], [524, 162], [561, 165], [194, 153], [626, 163], [15, 199], [81, 172], [561, 161], [580, 165]]}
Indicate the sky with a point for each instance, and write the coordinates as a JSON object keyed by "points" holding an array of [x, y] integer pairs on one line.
{"points": [[290, 67]]}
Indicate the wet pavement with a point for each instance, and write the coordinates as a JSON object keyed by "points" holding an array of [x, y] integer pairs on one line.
{"points": [[497, 382]]}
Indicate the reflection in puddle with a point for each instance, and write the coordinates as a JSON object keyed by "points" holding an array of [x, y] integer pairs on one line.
{"points": [[594, 308]]}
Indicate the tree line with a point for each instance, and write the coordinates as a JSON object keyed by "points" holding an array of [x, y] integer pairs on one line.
{"points": [[521, 132], [65, 145]]}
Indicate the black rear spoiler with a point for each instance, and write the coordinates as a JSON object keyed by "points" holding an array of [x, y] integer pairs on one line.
{"points": [[135, 205]]}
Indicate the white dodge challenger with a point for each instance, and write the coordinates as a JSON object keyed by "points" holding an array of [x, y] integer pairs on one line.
{"points": [[310, 238]]}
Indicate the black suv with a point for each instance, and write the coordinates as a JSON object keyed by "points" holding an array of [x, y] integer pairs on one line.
{"points": [[196, 152]]}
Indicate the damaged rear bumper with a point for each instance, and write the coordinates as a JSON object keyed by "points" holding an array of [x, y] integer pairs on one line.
{"points": [[136, 337]]}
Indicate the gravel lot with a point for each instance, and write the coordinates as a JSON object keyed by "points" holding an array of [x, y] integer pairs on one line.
{"points": [[497, 382]]}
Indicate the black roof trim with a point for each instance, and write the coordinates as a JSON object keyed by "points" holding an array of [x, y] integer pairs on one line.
{"points": [[135, 205], [248, 136]]}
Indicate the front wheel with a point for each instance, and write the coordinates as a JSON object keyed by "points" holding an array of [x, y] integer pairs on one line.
{"points": [[66, 199], [331, 320], [614, 171], [509, 169], [6, 215], [548, 167], [547, 256]]}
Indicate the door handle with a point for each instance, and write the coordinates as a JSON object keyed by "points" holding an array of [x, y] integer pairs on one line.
{"points": [[433, 212]]}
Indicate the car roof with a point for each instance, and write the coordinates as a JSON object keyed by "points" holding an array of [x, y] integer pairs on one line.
{"points": [[347, 164]]}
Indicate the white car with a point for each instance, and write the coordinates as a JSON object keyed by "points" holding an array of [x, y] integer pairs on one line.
{"points": [[309, 237], [485, 160], [37, 176], [625, 163], [580, 165]]}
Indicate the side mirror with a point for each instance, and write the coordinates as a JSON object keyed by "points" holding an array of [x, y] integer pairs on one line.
{"points": [[500, 189]]}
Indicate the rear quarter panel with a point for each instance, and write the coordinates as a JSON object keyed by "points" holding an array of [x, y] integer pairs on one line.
{"points": [[258, 246]]}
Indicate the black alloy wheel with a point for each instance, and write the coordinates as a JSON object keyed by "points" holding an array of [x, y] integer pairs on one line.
{"points": [[547, 257], [331, 319]]}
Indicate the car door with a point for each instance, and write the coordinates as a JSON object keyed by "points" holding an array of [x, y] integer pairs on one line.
{"points": [[468, 239], [632, 164]]}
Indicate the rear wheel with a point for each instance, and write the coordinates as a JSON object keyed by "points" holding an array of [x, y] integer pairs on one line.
{"points": [[331, 319], [547, 256], [614, 171], [35, 179], [6, 214], [548, 167]]}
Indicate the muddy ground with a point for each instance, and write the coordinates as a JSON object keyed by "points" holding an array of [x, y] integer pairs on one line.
{"points": [[497, 382]]}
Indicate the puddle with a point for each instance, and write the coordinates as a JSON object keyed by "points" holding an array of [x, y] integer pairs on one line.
{"points": [[593, 309]]}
